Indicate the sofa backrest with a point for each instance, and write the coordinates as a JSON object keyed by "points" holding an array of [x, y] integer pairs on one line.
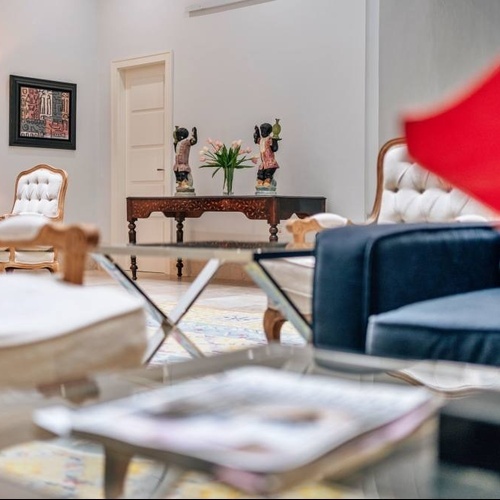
{"points": [[406, 192]]}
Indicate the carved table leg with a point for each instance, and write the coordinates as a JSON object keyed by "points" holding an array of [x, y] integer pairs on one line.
{"points": [[180, 239], [132, 240], [273, 231]]}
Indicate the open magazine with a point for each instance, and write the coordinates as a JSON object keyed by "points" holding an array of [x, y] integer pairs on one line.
{"points": [[255, 427]]}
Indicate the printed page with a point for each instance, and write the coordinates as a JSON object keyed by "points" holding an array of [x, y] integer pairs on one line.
{"points": [[255, 419]]}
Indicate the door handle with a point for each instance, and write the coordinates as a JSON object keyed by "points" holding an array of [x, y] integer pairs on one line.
{"points": [[160, 169]]}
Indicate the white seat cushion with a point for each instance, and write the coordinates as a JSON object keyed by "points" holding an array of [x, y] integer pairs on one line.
{"points": [[53, 331], [25, 226], [33, 257], [295, 278], [22, 226]]}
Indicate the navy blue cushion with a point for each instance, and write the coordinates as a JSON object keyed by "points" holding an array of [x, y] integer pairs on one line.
{"points": [[463, 327]]}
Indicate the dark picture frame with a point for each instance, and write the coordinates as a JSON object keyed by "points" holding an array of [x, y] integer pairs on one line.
{"points": [[42, 113]]}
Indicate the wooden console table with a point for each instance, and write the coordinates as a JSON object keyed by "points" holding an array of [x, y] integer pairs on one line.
{"points": [[271, 208]]}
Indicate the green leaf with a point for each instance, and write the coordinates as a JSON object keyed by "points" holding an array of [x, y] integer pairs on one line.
{"points": [[209, 165]]}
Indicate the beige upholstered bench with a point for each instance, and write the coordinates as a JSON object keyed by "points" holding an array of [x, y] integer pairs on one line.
{"points": [[406, 193], [53, 329]]}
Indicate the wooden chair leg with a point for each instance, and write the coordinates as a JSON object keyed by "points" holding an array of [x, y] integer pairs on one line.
{"points": [[273, 321], [115, 472]]}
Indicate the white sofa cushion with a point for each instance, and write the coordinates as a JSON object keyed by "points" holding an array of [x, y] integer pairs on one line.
{"points": [[295, 278], [24, 227], [33, 257], [53, 331]]}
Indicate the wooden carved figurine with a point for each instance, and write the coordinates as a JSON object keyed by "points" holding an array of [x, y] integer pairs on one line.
{"points": [[268, 146], [182, 146]]}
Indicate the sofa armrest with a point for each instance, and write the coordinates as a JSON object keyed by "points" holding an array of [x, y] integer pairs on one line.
{"points": [[367, 270], [315, 223], [33, 231]]}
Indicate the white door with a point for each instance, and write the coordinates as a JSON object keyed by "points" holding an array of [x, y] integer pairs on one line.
{"points": [[141, 164]]}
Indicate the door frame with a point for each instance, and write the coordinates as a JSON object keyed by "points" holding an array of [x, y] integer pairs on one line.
{"points": [[118, 133]]}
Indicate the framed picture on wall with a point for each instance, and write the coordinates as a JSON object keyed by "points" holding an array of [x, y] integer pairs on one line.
{"points": [[42, 113]]}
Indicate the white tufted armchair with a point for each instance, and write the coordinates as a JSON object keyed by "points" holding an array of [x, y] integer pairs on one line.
{"points": [[41, 191], [406, 193]]}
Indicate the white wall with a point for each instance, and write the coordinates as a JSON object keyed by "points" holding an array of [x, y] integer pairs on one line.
{"points": [[53, 40], [429, 49], [299, 60]]}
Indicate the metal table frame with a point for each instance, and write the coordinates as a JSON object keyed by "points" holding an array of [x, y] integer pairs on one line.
{"points": [[251, 259]]}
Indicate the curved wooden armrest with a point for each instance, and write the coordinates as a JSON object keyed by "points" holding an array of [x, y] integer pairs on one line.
{"points": [[315, 223], [299, 229], [75, 241]]}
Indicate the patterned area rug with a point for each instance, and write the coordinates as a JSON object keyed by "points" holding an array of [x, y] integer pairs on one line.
{"points": [[74, 469], [216, 331]]}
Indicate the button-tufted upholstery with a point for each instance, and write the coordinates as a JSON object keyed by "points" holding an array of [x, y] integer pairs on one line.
{"points": [[406, 193], [40, 191], [412, 194]]}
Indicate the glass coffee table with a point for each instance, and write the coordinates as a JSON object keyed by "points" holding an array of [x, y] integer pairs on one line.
{"points": [[251, 255], [413, 469]]}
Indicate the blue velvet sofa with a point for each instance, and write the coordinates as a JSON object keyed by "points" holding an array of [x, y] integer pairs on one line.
{"points": [[419, 291]]}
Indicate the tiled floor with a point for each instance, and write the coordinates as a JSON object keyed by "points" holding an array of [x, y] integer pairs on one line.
{"points": [[218, 294]]}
